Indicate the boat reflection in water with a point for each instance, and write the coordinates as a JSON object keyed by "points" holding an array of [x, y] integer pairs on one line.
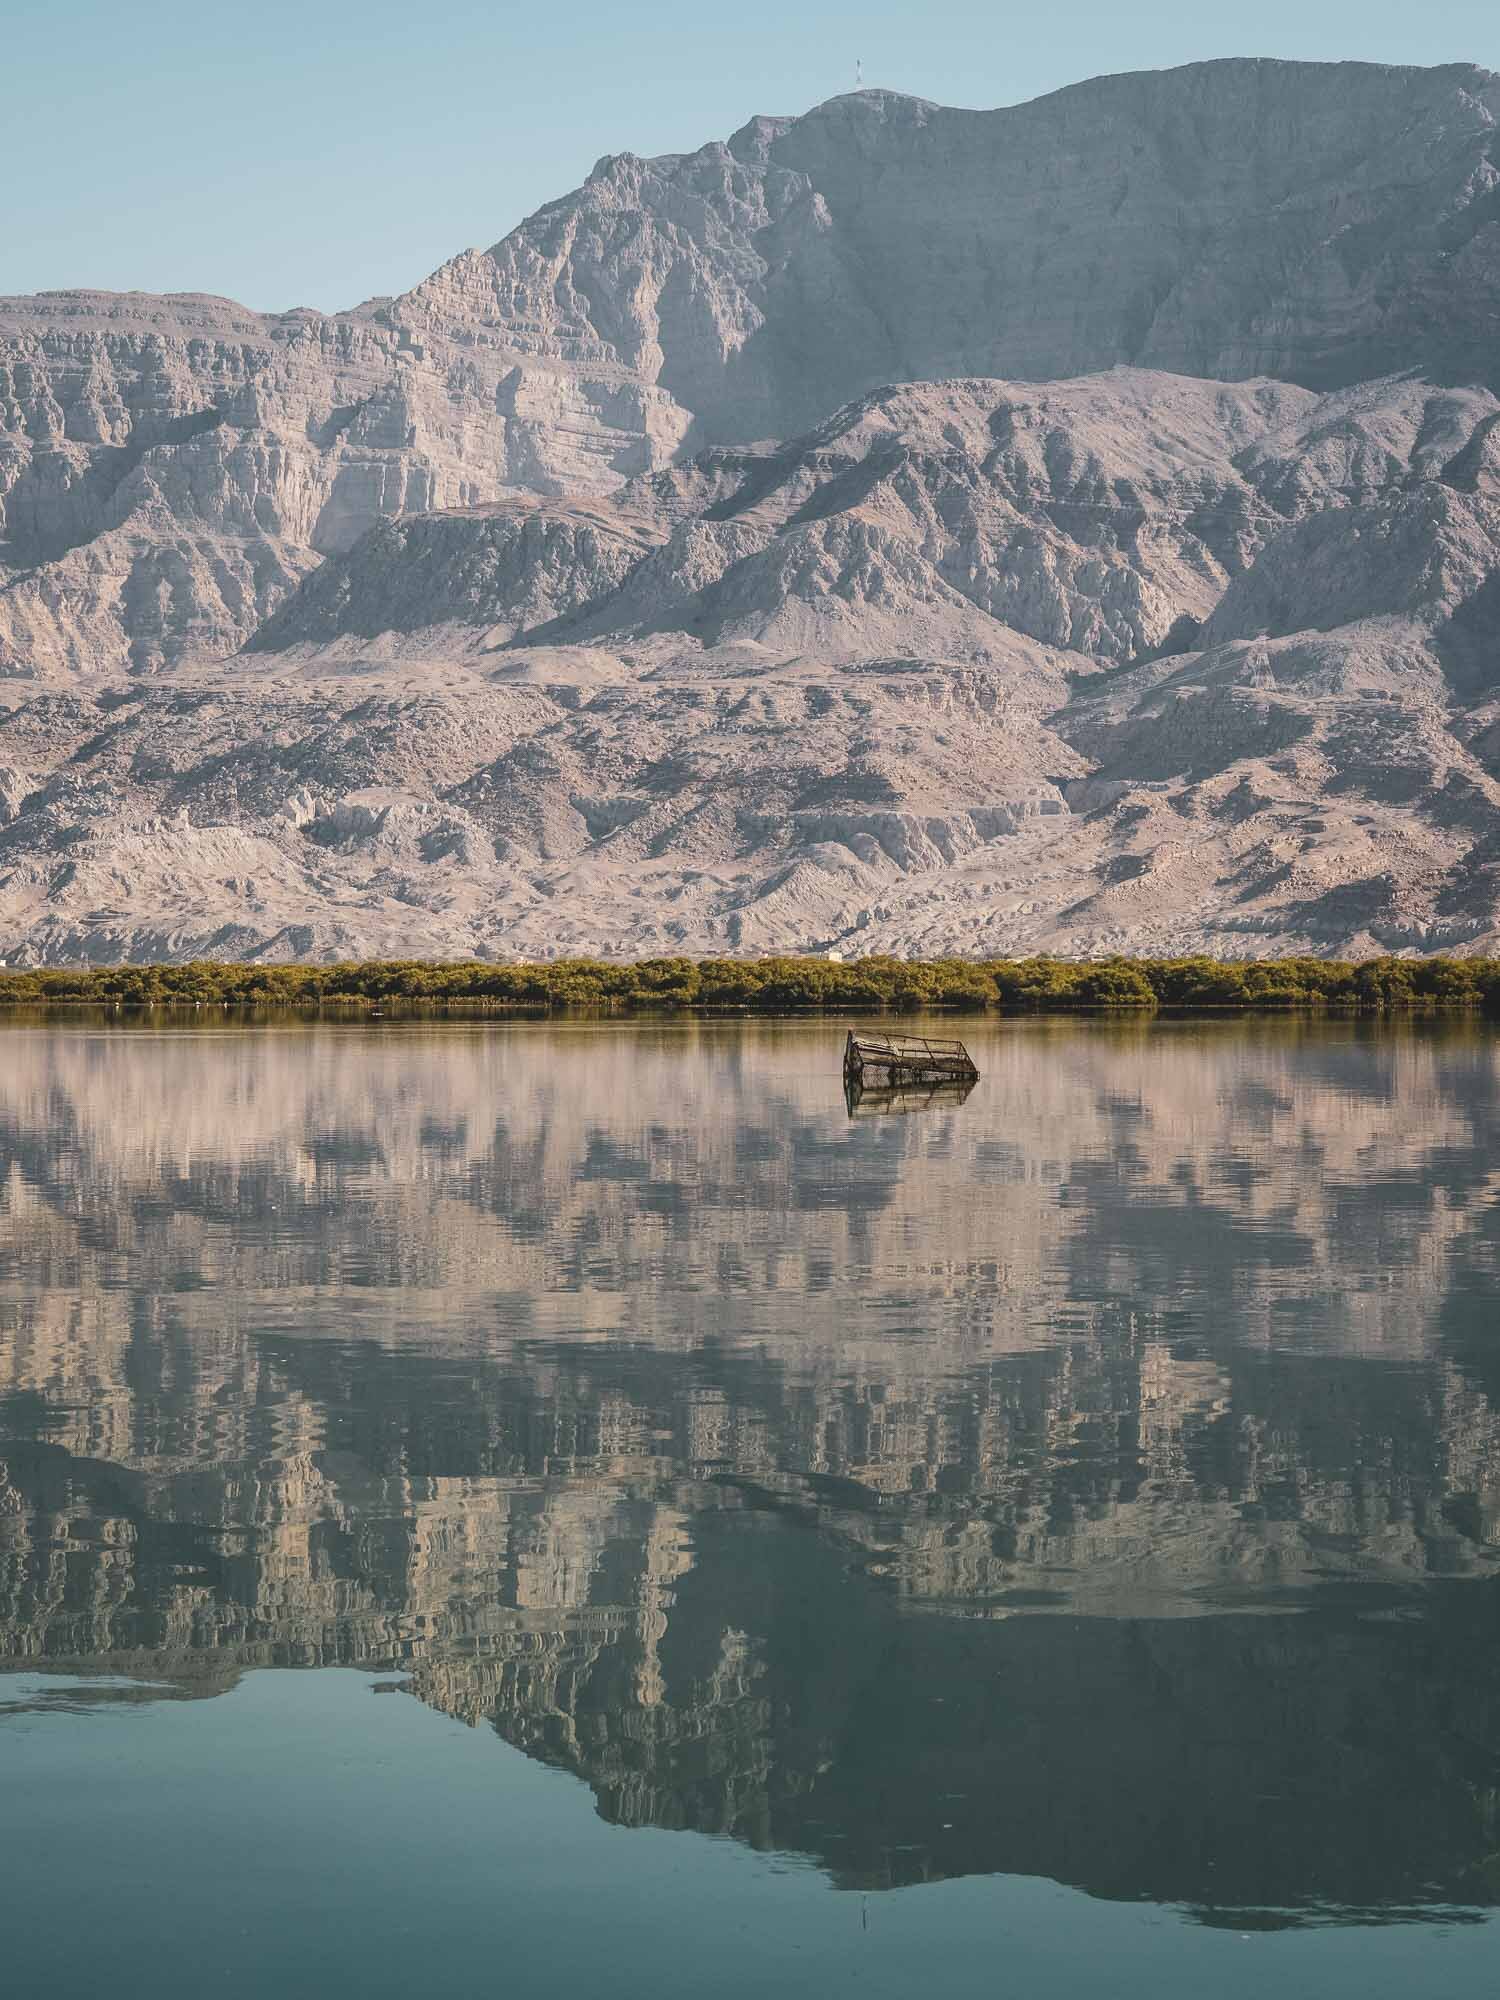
{"points": [[1102, 1486], [875, 1101]]}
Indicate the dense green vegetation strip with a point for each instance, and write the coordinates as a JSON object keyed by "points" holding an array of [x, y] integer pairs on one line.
{"points": [[779, 985]]}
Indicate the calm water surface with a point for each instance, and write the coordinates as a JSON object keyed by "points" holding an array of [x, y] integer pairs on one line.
{"points": [[517, 1508]]}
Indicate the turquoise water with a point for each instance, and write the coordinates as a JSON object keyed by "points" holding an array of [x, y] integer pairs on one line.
{"points": [[507, 1507], [298, 1836]]}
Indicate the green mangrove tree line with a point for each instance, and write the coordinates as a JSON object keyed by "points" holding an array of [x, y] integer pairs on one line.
{"points": [[780, 985]]}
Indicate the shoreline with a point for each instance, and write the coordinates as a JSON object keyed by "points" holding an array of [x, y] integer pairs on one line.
{"points": [[784, 985]]}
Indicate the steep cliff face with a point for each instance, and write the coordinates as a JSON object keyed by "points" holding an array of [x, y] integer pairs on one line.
{"points": [[1226, 219], [169, 466]]}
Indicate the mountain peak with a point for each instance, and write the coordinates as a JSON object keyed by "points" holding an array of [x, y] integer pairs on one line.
{"points": [[873, 97]]}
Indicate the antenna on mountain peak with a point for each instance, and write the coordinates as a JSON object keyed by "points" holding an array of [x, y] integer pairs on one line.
{"points": [[859, 72]]}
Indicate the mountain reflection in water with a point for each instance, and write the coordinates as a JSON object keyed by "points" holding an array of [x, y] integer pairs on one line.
{"points": [[1099, 1478]]}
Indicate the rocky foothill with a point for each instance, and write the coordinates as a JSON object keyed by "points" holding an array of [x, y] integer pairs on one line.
{"points": [[1072, 527]]}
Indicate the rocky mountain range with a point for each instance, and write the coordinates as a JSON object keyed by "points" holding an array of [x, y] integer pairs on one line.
{"points": [[1073, 526]]}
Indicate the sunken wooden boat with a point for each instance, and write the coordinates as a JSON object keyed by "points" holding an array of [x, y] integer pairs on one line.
{"points": [[889, 1061]]}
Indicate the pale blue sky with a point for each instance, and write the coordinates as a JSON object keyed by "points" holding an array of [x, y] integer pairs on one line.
{"points": [[315, 153]]}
